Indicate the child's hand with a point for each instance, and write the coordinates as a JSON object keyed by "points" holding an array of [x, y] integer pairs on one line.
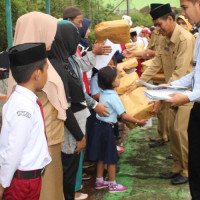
{"points": [[142, 122]]}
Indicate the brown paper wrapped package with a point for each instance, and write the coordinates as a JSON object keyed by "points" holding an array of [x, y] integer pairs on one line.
{"points": [[159, 76], [131, 45], [116, 31], [126, 81], [121, 72], [136, 105], [135, 46], [128, 64]]}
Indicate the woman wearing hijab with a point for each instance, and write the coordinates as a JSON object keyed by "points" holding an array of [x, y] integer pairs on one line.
{"points": [[85, 31], [86, 62], [182, 21], [39, 27], [62, 58]]}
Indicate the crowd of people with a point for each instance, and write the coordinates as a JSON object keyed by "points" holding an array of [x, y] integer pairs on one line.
{"points": [[59, 104]]}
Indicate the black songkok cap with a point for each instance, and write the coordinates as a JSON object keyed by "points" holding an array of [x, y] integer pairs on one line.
{"points": [[160, 11], [155, 5], [71, 12], [26, 53]]}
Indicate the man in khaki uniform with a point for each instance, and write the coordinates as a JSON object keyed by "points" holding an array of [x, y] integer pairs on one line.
{"points": [[175, 57], [163, 133]]}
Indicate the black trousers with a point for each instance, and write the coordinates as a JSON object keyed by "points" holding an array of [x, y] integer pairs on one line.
{"points": [[70, 164], [194, 152]]}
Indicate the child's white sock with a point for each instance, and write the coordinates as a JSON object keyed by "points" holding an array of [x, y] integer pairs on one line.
{"points": [[100, 180], [112, 182]]}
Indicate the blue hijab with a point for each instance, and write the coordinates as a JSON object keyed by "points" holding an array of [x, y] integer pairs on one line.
{"points": [[86, 23]]}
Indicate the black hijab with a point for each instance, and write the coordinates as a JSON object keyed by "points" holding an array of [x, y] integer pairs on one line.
{"points": [[63, 48]]}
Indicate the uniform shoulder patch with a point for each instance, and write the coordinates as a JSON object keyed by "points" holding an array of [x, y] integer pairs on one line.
{"points": [[24, 113]]}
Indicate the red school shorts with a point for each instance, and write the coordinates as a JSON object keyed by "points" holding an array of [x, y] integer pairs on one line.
{"points": [[23, 189]]}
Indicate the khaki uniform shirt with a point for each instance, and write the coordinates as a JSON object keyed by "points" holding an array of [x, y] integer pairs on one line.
{"points": [[175, 56], [54, 126], [155, 41]]}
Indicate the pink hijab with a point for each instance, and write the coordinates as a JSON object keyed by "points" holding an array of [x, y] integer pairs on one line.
{"points": [[40, 27]]}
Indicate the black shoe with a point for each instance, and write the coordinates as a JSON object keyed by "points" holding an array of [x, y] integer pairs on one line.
{"points": [[156, 144], [169, 157], [168, 175], [179, 179], [85, 177]]}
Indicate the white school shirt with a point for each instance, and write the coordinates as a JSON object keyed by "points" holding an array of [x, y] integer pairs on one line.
{"points": [[192, 80], [23, 143]]}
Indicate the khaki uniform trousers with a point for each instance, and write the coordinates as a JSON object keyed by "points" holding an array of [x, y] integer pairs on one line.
{"points": [[178, 124], [163, 123], [52, 180]]}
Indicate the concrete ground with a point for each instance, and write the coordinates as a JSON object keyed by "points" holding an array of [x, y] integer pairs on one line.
{"points": [[139, 171]]}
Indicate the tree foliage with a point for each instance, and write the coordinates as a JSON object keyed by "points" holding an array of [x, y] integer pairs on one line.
{"points": [[92, 9], [141, 19]]}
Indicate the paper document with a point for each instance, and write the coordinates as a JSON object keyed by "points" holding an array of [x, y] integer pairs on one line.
{"points": [[160, 87], [148, 123], [156, 95], [103, 60]]}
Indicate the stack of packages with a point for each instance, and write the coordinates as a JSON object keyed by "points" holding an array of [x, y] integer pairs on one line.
{"points": [[135, 46], [127, 64], [159, 77], [135, 103]]}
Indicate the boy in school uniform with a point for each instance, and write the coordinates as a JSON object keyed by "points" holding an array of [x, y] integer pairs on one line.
{"points": [[23, 144]]}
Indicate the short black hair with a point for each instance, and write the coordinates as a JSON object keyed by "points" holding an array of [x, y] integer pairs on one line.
{"points": [[71, 18], [106, 76], [133, 34], [168, 14], [23, 73]]}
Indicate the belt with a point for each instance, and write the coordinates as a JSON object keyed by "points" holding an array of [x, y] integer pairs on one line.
{"points": [[109, 123], [29, 174]]}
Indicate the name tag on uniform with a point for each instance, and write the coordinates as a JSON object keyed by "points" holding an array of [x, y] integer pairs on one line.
{"points": [[166, 49], [24, 113]]}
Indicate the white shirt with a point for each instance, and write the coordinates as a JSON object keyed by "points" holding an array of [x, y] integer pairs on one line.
{"points": [[142, 40], [23, 144], [192, 80]]}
